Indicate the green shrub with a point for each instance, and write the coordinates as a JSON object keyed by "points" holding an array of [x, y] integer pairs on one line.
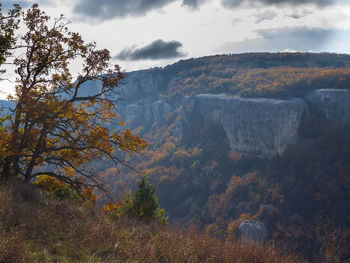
{"points": [[144, 204]]}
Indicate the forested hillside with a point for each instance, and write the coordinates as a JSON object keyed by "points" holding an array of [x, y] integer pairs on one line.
{"points": [[251, 75], [302, 195], [217, 160]]}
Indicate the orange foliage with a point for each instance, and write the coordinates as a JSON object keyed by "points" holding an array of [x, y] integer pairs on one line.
{"points": [[54, 124]]}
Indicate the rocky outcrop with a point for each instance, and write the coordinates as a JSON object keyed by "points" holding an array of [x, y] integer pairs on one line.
{"points": [[134, 113], [160, 110], [334, 104], [260, 127], [144, 114], [140, 84], [253, 231]]}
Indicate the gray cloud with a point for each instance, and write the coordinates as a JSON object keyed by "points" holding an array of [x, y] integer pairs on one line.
{"points": [[297, 38], [299, 14], [266, 15], [108, 9], [194, 4], [236, 21], [237, 3], [158, 49]]}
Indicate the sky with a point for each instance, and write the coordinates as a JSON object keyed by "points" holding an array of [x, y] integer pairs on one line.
{"points": [[143, 34]]}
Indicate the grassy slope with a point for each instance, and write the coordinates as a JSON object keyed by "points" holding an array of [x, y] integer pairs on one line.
{"points": [[34, 229]]}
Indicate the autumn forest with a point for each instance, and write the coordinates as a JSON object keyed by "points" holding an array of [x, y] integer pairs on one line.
{"points": [[114, 166]]}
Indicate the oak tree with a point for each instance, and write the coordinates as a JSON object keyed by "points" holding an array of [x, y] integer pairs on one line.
{"points": [[59, 124]]}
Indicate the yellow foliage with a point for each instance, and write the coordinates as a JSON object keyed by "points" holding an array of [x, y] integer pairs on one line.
{"points": [[110, 206], [47, 183], [89, 195]]}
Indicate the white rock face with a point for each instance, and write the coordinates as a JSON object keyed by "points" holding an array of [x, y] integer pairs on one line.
{"points": [[253, 231], [141, 114], [260, 127], [333, 103], [133, 113], [160, 110], [140, 84]]}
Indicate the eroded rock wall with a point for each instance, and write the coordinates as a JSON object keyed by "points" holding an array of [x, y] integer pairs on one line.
{"points": [[334, 104], [260, 127], [140, 85], [146, 113]]}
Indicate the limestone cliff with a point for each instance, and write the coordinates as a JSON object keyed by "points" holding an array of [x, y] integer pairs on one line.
{"points": [[146, 113], [334, 104], [141, 84], [254, 126], [261, 127]]}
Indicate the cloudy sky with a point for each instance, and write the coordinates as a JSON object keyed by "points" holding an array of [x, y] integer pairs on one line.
{"points": [[148, 33]]}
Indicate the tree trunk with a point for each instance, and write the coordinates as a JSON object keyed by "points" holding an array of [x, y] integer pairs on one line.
{"points": [[5, 173]]}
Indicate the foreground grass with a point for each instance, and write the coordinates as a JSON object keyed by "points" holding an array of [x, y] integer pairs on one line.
{"points": [[34, 229]]}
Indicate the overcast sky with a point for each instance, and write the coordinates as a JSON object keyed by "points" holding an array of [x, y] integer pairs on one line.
{"points": [[148, 33]]}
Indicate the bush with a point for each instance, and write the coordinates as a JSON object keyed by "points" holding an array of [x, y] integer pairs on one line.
{"points": [[143, 205]]}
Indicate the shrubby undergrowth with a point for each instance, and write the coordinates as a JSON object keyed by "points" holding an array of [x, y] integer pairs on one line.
{"points": [[35, 228]]}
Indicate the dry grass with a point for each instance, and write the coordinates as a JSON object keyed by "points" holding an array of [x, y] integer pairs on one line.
{"points": [[33, 229]]}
